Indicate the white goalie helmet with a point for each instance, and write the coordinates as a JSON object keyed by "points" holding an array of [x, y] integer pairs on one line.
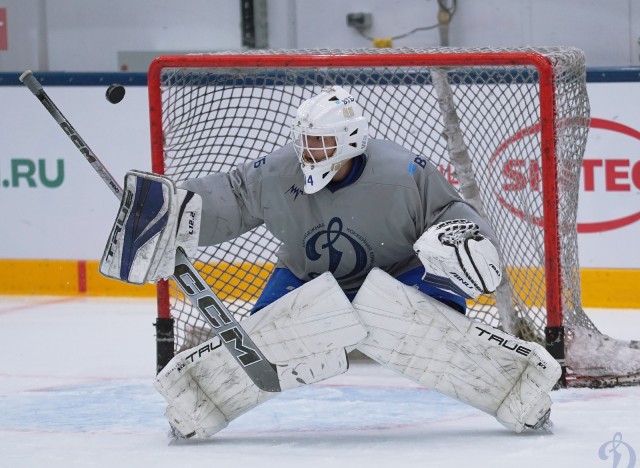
{"points": [[332, 114]]}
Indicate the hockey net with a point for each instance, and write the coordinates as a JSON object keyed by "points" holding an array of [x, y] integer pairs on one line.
{"points": [[507, 127]]}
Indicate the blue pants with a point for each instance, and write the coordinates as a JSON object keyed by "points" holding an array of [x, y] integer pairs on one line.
{"points": [[283, 281]]}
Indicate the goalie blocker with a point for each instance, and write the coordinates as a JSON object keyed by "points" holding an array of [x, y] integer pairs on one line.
{"points": [[156, 230], [154, 220]]}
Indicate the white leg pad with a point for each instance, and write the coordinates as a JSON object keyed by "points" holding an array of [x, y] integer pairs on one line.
{"points": [[304, 334], [439, 348]]}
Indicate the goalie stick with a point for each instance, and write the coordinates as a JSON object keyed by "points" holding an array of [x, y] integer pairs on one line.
{"points": [[262, 372]]}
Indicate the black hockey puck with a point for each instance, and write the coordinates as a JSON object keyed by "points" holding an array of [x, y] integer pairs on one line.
{"points": [[115, 93]]}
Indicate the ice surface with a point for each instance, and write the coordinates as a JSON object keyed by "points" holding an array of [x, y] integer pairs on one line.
{"points": [[76, 391]]}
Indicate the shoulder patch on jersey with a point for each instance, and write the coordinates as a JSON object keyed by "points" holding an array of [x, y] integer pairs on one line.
{"points": [[420, 161], [417, 161], [259, 162]]}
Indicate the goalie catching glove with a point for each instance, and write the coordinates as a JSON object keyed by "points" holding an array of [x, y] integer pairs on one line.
{"points": [[458, 258], [155, 219]]}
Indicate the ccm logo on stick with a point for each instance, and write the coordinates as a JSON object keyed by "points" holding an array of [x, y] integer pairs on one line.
{"points": [[193, 285]]}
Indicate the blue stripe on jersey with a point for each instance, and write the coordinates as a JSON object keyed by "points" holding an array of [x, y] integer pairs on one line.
{"points": [[280, 283], [414, 278], [445, 283], [359, 162], [283, 281]]}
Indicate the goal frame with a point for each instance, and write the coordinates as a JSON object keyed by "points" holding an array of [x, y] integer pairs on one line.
{"points": [[554, 331]]}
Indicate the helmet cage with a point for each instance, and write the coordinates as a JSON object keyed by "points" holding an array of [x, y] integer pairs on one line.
{"points": [[331, 114], [337, 151], [350, 141]]}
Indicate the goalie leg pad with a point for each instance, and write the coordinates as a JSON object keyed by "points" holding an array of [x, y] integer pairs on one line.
{"points": [[304, 333], [441, 349]]}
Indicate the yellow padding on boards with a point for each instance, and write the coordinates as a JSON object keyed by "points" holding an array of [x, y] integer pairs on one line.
{"points": [[44, 277], [604, 288], [63, 278], [236, 281], [98, 285], [617, 289]]}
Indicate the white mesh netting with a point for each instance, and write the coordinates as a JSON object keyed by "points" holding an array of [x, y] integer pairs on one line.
{"points": [[220, 110]]}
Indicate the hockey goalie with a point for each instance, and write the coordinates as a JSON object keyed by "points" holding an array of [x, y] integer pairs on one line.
{"points": [[378, 253]]}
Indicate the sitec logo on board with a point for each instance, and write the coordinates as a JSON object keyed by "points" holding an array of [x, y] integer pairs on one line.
{"points": [[609, 178]]}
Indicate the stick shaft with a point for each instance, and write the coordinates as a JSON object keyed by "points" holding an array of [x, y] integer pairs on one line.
{"points": [[36, 88], [224, 324]]}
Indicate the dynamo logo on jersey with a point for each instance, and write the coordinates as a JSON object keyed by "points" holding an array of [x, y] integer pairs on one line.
{"points": [[343, 252]]}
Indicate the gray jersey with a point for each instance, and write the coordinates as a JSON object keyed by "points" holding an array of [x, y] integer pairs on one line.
{"points": [[372, 222]]}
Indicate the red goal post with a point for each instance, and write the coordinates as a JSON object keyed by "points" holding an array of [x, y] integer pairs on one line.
{"points": [[508, 127]]}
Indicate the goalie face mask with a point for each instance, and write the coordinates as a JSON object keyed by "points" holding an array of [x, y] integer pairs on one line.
{"points": [[327, 130]]}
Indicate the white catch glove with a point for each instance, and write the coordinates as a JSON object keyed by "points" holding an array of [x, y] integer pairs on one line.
{"points": [[458, 258], [154, 220]]}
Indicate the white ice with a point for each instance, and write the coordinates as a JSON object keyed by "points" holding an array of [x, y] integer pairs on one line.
{"points": [[76, 391]]}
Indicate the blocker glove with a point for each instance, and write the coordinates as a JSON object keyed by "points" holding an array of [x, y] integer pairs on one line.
{"points": [[154, 220], [458, 258]]}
